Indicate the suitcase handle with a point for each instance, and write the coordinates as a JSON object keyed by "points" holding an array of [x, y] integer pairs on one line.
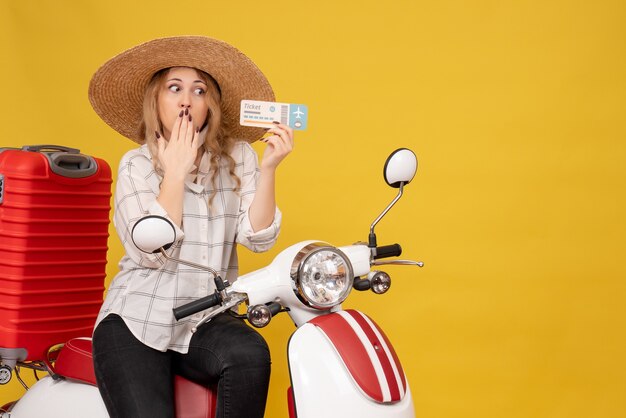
{"points": [[66, 161], [74, 166], [41, 148]]}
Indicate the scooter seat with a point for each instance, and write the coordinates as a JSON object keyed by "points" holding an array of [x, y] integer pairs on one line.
{"points": [[192, 400], [75, 362]]}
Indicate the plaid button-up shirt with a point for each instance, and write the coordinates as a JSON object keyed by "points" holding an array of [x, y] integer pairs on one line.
{"points": [[147, 287]]}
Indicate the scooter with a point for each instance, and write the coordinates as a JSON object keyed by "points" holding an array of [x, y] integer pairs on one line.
{"points": [[340, 362]]}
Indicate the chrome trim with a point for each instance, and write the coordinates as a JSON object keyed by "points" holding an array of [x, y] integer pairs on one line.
{"points": [[304, 251], [5, 374], [398, 262], [398, 196], [188, 263], [298, 264]]}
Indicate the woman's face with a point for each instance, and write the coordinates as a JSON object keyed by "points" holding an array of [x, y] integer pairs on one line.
{"points": [[182, 89]]}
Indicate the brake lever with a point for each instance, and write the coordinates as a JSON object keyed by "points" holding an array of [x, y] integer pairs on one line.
{"points": [[233, 301], [398, 262]]}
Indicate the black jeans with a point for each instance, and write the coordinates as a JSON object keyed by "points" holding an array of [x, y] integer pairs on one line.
{"points": [[137, 381]]}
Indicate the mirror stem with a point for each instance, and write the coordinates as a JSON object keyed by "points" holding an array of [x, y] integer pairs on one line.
{"points": [[189, 263], [372, 237]]}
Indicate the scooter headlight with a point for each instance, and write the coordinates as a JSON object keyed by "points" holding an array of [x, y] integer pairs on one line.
{"points": [[322, 276]]}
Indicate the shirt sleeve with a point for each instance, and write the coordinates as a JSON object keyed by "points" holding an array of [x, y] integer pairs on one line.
{"points": [[136, 192], [263, 239]]}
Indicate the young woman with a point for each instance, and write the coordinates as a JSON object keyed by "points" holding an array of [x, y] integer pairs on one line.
{"points": [[179, 98]]}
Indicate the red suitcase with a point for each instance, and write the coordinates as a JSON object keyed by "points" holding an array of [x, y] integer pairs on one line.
{"points": [[54, 218]]}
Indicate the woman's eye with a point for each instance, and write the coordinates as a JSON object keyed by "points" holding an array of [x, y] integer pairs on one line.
{"points": [[174, 88], [199, 91]]}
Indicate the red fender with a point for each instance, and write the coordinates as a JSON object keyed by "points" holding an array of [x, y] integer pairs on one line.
{"points": [[367, 354]]}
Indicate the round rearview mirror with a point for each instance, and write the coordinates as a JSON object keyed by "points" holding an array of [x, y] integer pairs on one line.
{"points": [[152, 233], [400, 167]]}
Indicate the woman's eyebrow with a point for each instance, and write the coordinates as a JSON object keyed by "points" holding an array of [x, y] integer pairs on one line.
{"points": [[195, 81]]}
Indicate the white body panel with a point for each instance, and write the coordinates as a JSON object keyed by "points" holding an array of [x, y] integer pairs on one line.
{"points": [[359, 256], [323, 387], [60, 399], [274, 284]]}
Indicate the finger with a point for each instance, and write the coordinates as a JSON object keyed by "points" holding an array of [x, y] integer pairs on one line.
{"points": [[270, 139], [267, 134], [160, 145], [280, 132], [184, 125], [286, 128], [278, 145], [284, 137], [176, 127], [190, 130], [196, 138]]}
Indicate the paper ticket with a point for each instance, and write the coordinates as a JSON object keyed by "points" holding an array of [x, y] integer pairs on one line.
{"points": [[262, 114]]}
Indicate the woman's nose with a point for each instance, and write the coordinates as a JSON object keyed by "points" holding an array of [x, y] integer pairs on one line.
{"points": [[185, 100]]}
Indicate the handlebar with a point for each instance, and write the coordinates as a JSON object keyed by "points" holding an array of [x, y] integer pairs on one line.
{"points": [[197, 306], [384, 251]]}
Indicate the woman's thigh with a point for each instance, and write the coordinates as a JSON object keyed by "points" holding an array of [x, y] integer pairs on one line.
{"points": [[134, 379], [234, 356]]}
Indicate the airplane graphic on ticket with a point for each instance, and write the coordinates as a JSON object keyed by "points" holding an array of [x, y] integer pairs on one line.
{"points": [[262, 114]]}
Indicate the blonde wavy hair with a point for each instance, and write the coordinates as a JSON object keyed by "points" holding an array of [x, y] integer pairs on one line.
{"points": [[218, 142]]}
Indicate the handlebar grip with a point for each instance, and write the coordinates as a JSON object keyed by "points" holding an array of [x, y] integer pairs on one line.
{"points": [[384, 251], [197, 306]]}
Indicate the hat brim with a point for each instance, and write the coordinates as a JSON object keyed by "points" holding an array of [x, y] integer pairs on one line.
{"points": [[117, 89]]}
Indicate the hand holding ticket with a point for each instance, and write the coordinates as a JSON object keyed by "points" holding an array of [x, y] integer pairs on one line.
{"points": [[262, 114]]}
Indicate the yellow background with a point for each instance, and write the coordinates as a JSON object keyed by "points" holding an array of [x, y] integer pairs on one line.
{"points": [[516, 112]]}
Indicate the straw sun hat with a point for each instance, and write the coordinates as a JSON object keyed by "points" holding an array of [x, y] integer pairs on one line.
{"points": [[116, 90]]}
